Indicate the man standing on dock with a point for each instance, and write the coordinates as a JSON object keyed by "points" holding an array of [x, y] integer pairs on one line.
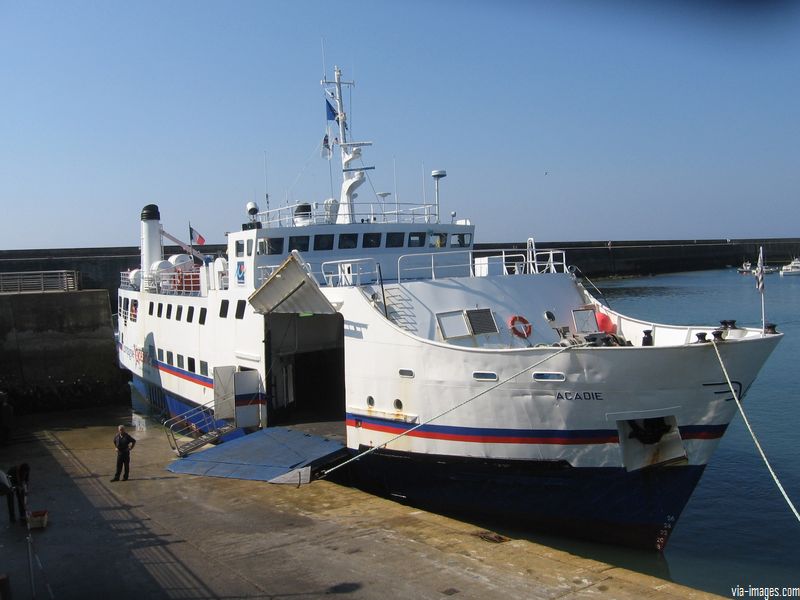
{"points": [[124, 443]]}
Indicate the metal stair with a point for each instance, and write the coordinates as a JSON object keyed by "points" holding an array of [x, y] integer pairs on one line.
{"points": [[195, 428], [399, 309]]}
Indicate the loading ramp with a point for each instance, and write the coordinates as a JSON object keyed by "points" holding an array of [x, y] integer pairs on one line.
{"points": [[274, 454]]}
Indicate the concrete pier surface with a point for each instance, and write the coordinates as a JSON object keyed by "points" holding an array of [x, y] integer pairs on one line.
{"points": [[161, 535]]}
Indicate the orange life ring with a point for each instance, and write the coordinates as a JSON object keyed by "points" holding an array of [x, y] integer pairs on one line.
{"points": [[519, 326]]}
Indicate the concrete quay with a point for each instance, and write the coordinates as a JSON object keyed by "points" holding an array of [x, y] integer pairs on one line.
{"points": [[161, 535]]}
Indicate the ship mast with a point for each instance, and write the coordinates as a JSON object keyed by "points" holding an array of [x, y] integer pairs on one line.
{"points": [[350, 151]]}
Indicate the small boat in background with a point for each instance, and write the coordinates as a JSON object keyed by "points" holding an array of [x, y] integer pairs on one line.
{"points": [[745, 268], [793, 268]]}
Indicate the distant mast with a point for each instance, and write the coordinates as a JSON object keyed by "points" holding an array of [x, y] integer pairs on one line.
{"points": [[352, 177]]}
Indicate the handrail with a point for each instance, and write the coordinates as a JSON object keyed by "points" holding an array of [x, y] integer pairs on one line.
{"points": [[371, 212], [199, 419], [21, 282]]}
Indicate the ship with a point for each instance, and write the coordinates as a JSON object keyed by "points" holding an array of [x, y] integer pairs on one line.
{"points": [[490, 384]]}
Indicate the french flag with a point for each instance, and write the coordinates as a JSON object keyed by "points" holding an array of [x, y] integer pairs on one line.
{"points": [[195, 237]]}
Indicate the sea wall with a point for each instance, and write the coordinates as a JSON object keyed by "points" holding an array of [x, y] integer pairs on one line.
{"points": [[100, 268], [57, 350]]}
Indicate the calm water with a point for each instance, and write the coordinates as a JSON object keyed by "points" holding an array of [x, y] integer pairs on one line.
{"points": [[736, 529]]}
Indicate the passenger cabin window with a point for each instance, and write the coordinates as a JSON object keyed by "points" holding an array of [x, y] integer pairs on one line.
{"points": [[323, 241], [203, 316], [203, 368], [437, 240], [180, 361], [169, 311], [371, 240], [416, 239], [348, 240], [178, 312], [249, 247], [150, 310], [223, 309], [299, 243], [240, 305], [189, 314], [160, 309], [395, 239], [239, 248], [190, 364], [275, 246], [460, 240], [170, 359], [160, 355]]}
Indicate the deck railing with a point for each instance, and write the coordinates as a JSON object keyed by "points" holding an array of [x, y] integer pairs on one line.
{"points": [[23, 282]]}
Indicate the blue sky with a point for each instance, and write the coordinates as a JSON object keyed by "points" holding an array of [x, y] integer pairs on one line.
{"points": [[570, 120]]}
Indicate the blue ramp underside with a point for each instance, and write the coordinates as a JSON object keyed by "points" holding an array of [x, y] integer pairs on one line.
{"points": [[261, 456]]}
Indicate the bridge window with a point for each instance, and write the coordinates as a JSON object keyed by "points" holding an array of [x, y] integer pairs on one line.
{"points": [[134, 309], [395, 239], [299, 243], [239, 248], [348, 240], [437, 240], [323, 241], [240, 305], [371, 240], [223, 309], [461, 240], [249, 247], [416, 239], [261, 247], [275, 246]]}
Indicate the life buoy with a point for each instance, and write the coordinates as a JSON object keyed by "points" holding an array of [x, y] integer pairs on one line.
{"points": [[519, 326]]}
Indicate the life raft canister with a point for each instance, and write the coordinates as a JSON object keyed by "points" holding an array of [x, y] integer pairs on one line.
{"points": [[519, 326]]}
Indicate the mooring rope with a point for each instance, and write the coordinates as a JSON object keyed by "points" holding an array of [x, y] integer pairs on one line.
{"points": [[753, 435], [449, 410]]}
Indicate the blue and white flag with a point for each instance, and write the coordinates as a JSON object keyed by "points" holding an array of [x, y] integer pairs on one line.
{"points": [[331, 112], [760, 270]]}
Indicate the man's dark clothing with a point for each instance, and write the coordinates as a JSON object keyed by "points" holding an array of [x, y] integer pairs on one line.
{"points": [[124, 443], [15, 483]]}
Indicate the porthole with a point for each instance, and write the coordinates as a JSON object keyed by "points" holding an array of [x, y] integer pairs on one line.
{"points": [[549, 377], [406, 373], [484, 376], [398, 404], [370, 401]]}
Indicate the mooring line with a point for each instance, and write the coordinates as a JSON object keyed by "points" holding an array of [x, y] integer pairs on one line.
{"points": [[449, 410], [753, 435]]}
